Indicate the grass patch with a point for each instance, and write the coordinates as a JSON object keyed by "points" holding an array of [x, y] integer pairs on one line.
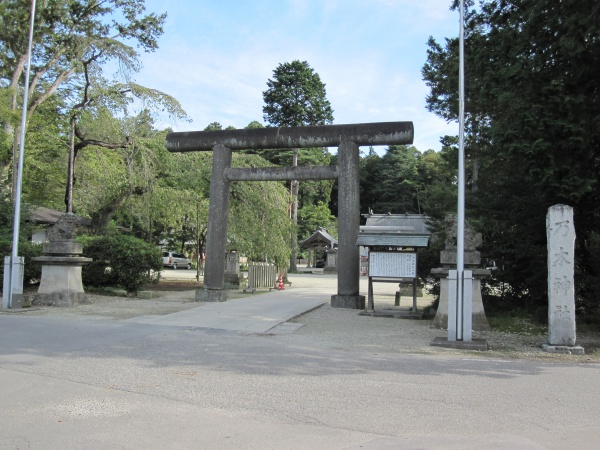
{"points": [[520, 324]]}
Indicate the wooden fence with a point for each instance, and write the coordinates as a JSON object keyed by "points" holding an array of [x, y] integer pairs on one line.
{"points": [[261, 275]]}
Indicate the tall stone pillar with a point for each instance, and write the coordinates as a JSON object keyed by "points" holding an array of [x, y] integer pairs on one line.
{"points": [[560, 232], [216, 234], [348, 228]]}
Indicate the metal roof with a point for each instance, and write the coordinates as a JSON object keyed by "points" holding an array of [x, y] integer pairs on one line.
{"points": [[370, 240], [394, 230], [408, 223], [320, 238]]}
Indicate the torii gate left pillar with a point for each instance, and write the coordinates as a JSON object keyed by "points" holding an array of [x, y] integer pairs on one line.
{"points": [[216, 233], [346, 137]]}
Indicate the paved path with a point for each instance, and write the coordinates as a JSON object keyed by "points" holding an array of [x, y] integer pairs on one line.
{"points": [[258, 313]]}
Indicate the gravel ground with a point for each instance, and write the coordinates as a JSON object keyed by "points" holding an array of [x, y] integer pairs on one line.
{"points": [[337, 328]]}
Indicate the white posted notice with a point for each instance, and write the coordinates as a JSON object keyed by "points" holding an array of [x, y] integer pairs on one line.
{"points": [[392, 265]]}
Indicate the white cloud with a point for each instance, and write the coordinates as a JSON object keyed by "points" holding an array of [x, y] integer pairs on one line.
{"points": [[369, 56]]}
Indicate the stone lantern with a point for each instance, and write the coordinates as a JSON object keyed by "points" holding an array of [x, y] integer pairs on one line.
{"points": [[61, 283]]}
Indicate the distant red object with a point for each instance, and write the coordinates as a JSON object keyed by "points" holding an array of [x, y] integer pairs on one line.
{"points": [[280, 285]]}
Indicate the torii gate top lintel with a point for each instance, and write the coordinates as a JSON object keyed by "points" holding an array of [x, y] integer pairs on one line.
{"points": [[379, 133]]}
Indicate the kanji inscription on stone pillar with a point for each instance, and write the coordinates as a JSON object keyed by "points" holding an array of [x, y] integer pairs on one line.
{"points": [[560, 233]]}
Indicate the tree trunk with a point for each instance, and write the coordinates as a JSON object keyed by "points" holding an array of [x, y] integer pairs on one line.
{"points": [[475, 179], [15, 162], [70, 170], [101, 218]]}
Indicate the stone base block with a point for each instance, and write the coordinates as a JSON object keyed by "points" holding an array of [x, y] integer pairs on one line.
{"points": [[448, 257], [395, 313], [348, 301], [63, 248], [60, 298], [564, 349], [211, 295], [480, 322], [232, 280], [475, 344], [18, 302]]}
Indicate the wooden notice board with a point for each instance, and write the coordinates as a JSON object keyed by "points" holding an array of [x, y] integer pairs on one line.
{"points": [[392, 264]]}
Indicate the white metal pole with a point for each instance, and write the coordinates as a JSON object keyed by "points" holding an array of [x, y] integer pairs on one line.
{"points": [[17, 217], [460, 230]]}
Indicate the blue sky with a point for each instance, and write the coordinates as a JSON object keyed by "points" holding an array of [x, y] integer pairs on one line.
{"points": [[216, 56]]}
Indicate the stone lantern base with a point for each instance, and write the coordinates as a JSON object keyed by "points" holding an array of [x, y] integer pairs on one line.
{"points": [[61, 281], [480, 322]]}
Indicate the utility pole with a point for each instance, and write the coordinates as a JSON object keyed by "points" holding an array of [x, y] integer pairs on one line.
{"points": [[459, 305], [14, 275]]}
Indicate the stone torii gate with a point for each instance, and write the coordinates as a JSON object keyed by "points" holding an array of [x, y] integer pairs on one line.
{"points": [[347, 138]]}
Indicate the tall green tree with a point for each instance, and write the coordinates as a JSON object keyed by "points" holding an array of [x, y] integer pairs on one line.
{"points": [[533, 113], [67, 33], [296, 96]]}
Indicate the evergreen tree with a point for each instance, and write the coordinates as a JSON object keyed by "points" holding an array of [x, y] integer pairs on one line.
{"points": [[295, 97], [533, 116]]}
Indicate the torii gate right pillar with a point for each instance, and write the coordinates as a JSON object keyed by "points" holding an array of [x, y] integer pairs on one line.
{"points": [[348, 228]]}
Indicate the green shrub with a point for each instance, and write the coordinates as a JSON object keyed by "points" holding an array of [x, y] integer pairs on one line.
{"points": [[120, 260]]}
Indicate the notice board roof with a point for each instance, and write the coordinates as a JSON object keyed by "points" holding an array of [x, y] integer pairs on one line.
{"points": [[394, 230]]}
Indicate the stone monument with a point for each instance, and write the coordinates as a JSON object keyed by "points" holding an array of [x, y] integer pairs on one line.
{"points": [[61, 266], [560, 233], [232, 270], [472, 259], [331, 261]]}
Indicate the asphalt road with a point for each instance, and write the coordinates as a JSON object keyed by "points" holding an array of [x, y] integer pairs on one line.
{"points": [[219, 376], [100, 384]]}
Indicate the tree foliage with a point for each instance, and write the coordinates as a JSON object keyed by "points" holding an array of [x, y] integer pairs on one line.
{"points": [[404, 180], [259, 222], [296, 96], [533, 116], [311, 217], [69, 36]]}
